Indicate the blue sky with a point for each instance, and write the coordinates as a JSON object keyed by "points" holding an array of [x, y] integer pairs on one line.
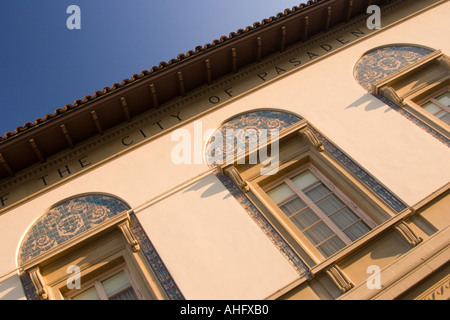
{"points": [[45, 66]]}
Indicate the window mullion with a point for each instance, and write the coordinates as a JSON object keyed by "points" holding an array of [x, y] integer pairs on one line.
{"points": [[133, 284], [446, 109], [101, 292], [311, 226], [352, 224], [323, 241], [296, 213], [440, 105], [320, 199], [286, 199], [337, 210], [319, 212]]}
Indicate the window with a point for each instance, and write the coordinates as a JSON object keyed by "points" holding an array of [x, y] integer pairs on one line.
{"points": [[109, 269], [439, 105], [104, 243], [314, 197], [320, 214], [116, 285]]}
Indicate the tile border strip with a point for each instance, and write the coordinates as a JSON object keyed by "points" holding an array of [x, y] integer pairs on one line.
{"points": [[367, 179], [155, 261]]}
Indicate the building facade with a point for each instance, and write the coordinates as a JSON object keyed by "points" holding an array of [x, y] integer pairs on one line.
{"points": [[301, 158]]}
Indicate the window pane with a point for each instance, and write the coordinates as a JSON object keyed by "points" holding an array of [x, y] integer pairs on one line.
{"points": [[356, 231], [304, 179], [343, 218], [431, 107], [293, 205], [330, 204], [116, 283], [443, 115], [304, 219], [280, 193], [318, 233], [446, 118], [444, 99], [89, 294], [317, 191], [127, 294], [331, 246]]}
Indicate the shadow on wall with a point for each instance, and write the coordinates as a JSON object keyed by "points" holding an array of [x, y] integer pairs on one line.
{"points": [[212, 187], [11, 289], [392, 245], [371, 102]]}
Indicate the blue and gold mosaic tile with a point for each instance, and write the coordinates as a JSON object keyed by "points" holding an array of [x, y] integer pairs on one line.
{"points": [[66, 221], [379, 63], [245, 133]]}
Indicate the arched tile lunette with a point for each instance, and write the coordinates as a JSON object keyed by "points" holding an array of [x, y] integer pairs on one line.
{"points": [[252, 123], [379, 63]]}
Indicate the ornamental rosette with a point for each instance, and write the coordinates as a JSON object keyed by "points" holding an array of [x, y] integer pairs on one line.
{"points": [[52, 218], [70, 226], [410, 56], [389, 63], [43, 243], [99, 214]]}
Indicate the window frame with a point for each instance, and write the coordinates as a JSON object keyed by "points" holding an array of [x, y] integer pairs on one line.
{"points": [[323, 217], [298, 147], [432, 98]]}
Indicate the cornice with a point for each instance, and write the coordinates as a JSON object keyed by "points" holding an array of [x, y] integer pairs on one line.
{"points": [[162, 84], [194, 97]]}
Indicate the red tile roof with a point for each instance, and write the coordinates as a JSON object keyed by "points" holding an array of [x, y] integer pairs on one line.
{"points": [[34, 142], [160, 67]]}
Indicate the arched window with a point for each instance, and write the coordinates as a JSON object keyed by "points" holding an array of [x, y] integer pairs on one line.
{"points": [[414, 81], [92, 247], [309, 191]]}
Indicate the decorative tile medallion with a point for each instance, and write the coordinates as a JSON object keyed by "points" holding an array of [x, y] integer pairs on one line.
{"points": [[75, 216], [379, 63], [244, 131]]}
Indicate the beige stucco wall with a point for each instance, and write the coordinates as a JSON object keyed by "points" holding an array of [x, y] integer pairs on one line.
{"points": [[214, 249], [203, 235]]}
